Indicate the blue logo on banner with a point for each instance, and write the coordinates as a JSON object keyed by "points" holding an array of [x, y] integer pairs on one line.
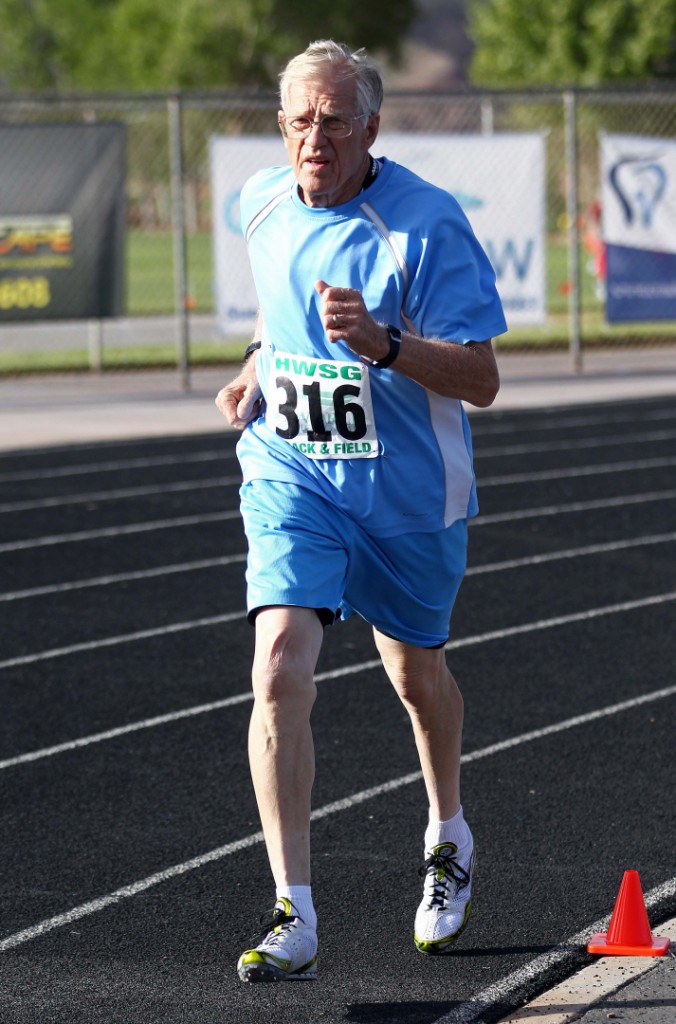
{"points": [[639, 184], [231, 212], [510, 256], [467, 201]]}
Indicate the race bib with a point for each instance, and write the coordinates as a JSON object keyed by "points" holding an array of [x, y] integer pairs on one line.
{"points": [[322, 408]]}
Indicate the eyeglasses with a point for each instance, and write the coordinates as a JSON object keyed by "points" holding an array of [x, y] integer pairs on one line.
{"points": [[331, 127]]}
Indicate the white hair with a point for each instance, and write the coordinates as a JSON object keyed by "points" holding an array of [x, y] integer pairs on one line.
{"points": [[326, 53]]}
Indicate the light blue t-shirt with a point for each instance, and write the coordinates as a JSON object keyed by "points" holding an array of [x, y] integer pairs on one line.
{"points": [[389, 452]]}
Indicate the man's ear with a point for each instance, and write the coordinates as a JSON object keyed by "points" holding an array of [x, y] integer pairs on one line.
{"points": [[280, 113], [372, 128]]}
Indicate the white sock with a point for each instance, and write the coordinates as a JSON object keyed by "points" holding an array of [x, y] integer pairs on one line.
{"points": [[301, 898], [453, 830]]}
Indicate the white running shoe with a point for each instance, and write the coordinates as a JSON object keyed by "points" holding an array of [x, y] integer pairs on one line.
{"points": [[447, 898], [287, 950]]}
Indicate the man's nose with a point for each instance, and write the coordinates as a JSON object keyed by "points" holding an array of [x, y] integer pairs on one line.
{"points": [[316, 133]]}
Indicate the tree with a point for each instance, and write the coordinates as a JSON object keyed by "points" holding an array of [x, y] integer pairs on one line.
{"points": [[167, 44], [44, 42], [572, 42]]}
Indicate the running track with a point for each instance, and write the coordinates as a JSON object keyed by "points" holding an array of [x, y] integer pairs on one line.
{"points": [[132, 870]]}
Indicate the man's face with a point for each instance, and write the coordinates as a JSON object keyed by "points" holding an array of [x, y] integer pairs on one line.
{"points": [[329, 171]]}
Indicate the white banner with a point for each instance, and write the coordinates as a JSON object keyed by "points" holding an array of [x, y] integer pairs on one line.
{"points": [[233, 161], [499, 180], [638, 201], [639, 192]]}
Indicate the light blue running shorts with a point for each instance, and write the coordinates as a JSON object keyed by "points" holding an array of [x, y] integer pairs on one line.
{"points": [[305, 552]]}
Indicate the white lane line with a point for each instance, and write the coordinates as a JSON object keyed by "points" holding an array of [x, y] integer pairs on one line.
{"points": [[117, 531], [588, 987], [565, 620], [571, 723], [122, 577], [124, 730], [556, 556], [181, 486], [575, 471], [568, 445], [119, 494], [113, 465], [320, 677], [210, 517], [512, 985], [159, 441], [209, 563], [572, 506], [125, 638], [94, 906], [167, 719], [478, 430], [481, 427], [215, 620], [347, 803]]}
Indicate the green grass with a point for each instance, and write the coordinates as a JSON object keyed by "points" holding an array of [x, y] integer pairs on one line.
{"points": [[150, 290], [139, 357], [150, 272]]}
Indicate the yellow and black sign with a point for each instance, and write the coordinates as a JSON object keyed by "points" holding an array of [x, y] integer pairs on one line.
{"points": [[36, 241], [62, 221]]}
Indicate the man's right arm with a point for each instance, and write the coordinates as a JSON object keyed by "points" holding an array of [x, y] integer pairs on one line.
{"points": [[240, 400]]}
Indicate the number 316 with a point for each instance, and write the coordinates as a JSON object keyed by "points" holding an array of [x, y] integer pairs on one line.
{"points": [[349, 415]]}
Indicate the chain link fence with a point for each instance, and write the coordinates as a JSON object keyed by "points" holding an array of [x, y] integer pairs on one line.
{"points": [[169, 306]]}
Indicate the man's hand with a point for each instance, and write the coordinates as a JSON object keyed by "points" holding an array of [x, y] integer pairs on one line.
{"points": [[346, 318], [240, 401], [468, 372]]}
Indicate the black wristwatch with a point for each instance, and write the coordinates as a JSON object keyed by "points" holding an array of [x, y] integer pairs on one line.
{"points": [[250, 349], [395, 343]]}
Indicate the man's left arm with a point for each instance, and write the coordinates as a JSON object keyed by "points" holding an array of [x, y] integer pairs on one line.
{"points": [[468, 372]]}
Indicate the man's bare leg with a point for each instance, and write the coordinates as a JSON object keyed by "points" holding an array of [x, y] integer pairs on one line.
{"points": [[281, 750], [435, 706], [431, 696]]}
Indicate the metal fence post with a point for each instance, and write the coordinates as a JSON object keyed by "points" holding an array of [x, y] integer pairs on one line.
{"points": [[574, 299], [178, 233], [487, 116], [94, 327]]}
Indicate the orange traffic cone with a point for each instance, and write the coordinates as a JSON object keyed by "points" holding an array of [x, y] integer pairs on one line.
{"points": [[629, 930]]}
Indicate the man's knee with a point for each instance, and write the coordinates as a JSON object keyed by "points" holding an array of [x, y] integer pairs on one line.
{"points": [[408, 667], [421, 677], [287, 646], [420, 689]]}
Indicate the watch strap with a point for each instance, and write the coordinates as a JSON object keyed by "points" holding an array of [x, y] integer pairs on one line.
{"points": [[395, 343], [250, 349]]}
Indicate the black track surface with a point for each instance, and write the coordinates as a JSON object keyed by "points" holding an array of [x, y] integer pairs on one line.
{"points": [[557, 817]]}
